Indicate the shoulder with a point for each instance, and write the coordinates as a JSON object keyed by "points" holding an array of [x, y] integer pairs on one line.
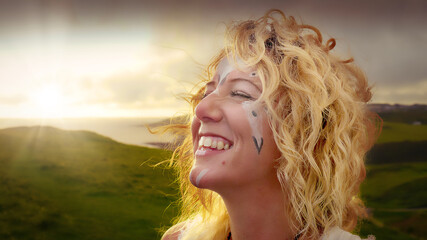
{"points": [[174, 232]]}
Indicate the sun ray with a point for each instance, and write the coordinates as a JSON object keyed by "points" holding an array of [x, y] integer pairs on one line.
{"points": [[49, 101]]}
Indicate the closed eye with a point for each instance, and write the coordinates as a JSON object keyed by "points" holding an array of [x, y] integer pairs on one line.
{"points": [[242, 95]]}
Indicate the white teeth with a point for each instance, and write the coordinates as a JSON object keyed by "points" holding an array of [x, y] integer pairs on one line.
{"points": [[220, 145], [207, 142], [213, 143], [201, 141]]}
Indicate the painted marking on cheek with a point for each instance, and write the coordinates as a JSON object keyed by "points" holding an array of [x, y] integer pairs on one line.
{"points": [[255, 122], [258, 146], [199, 177]]}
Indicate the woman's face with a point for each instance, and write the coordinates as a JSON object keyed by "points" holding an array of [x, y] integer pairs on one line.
{"points": [[233, 142]]}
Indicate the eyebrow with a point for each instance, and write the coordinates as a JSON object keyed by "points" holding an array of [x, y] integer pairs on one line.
{"points": [[213, 82], [247, 80]]}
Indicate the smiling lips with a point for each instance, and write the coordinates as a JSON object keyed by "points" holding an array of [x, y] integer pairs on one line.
{"points": [[213, 143]]}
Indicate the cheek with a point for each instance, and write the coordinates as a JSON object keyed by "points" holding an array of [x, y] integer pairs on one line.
{"points": [[270, 148], [195, 125], [240, 123]]}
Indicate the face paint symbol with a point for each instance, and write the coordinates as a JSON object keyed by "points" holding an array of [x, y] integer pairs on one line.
{"points": [[201, 174], [224, 68], [255, 123], [258, 147]]}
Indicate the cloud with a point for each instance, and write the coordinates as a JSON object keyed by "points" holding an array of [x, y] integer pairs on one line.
{"points": [[12, 99], [167, 73], [393, 58], [137, 88], [134, 55], [408, 94]]}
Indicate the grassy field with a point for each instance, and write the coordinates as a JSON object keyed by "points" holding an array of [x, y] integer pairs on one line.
{"points": [[57, 184], [397, 197], [399, 132], [395, 187]]}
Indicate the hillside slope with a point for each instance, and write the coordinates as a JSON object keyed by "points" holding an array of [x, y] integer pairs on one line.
{"points": [[57, 184]]}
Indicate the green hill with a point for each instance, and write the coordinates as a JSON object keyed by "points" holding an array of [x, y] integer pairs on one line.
{"points": [[402, 113], [397, 152], [398, 132], [57, 184], [396, 195], [395, 185]]}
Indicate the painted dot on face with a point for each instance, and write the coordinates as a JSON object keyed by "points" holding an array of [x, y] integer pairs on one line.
{"points": [[254, 113]]}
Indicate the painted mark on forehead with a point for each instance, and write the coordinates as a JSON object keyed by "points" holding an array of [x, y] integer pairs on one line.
{"points": [[224, 68]]}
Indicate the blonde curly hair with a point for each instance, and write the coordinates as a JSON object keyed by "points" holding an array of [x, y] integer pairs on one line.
{"points": [[317, 110]]}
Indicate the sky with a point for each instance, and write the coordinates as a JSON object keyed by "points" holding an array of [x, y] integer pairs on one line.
{"points": [[61, 59]]}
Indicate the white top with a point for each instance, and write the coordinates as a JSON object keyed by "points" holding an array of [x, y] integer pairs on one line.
{"points": [[337, 233]]}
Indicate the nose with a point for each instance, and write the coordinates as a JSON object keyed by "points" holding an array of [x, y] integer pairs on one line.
{"points": [[208, 109]]}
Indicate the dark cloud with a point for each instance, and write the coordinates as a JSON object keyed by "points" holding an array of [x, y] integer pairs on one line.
{"points": [[386, 37]]}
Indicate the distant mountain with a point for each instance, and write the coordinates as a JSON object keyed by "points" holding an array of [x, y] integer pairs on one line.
{"points": [[181, 119], [51, 134], [411, 114], [379, 107]]}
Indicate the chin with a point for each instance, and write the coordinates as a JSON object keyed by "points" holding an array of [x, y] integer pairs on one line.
{"points": [[197, 175]]}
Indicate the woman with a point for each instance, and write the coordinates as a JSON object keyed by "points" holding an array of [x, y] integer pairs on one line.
{"points": [[275, 145]]}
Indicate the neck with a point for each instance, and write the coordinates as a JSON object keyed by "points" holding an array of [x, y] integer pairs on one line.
{"points": [[258, 212]]}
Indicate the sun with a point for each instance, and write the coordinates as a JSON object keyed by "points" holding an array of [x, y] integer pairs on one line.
{"points": [[48, 101]]}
